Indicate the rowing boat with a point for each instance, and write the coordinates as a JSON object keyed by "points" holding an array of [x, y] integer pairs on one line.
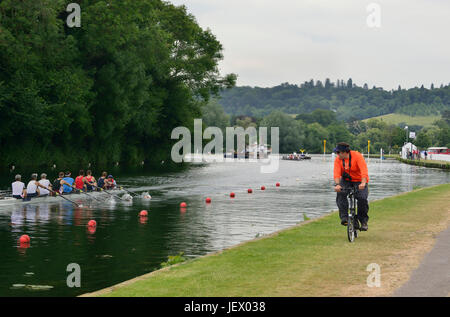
{"points": [[11, 201]]}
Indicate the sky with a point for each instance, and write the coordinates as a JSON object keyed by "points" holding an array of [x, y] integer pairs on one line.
{"points": [[269, 42]]}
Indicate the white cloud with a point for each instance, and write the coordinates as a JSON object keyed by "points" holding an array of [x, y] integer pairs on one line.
{"points": [[267, 42]]}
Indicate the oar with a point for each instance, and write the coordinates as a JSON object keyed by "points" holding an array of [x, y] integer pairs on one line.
{"points": [[82, 192], [3, 194], [103, 190], [128, 191], [60, 195]]}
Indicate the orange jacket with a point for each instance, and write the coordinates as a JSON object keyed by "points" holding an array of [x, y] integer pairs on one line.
{"points": [[358, 170]]}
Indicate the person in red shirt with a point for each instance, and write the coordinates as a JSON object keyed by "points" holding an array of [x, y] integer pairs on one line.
{"points": [[350, 168], [80, 182]]}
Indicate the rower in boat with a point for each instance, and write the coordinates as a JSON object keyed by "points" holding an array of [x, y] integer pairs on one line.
{"points": [[18, 188], [80, 181], [110, 183], [101, 181], [45, 184], [68, 187], [60, 182], [90, 182], [33, 187]]}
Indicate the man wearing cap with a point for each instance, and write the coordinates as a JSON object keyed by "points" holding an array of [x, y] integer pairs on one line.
{"points": [[110, 183], [350, 169]]}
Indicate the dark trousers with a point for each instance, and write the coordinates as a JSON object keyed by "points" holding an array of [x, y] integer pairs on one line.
{"points": [[362, 203]]}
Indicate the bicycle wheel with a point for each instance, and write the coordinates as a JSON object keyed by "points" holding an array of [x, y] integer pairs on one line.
{"points": [[351, 230]]}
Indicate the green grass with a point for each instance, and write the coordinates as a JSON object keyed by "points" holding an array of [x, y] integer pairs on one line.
{"points": [[312, 259], [426, 163], [396, 118]]}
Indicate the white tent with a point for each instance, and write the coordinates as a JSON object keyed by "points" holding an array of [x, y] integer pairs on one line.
{"points": [[408, 147]]}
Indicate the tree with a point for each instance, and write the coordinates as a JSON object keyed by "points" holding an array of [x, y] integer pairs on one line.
{"points": [[291, 136], [214, 115], [112, 89], [349, 83]]}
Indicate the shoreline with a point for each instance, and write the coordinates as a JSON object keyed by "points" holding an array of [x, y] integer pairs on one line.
{"points": [[171, 273], [426, 163]]}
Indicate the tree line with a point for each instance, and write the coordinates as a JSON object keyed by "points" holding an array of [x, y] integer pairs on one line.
{"points": [[307, 131], [348, 100], [109, 91]]}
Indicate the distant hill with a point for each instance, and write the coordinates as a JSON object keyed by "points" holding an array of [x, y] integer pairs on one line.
{"points": [[346, 99], [398, 118]]}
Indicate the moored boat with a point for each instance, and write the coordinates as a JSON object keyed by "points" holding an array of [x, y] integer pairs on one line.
{"points": [[295, 157]]}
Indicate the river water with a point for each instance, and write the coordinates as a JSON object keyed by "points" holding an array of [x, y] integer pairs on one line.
{"points": [[125, 246]]}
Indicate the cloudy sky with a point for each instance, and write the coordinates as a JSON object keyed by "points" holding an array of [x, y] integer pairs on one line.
{"points": [[268, 42]]}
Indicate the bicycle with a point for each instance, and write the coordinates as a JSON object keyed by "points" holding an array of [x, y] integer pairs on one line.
{"points": [[352, 223]]}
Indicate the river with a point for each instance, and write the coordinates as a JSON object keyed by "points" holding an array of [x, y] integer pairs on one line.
{"points": [[125, 246]]}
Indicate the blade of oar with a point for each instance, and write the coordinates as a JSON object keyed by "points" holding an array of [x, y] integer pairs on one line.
{"points": [[104, 190], [128, 191]]}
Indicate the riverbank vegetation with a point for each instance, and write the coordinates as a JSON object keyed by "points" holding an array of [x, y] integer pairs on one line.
{"points": [[307, 131], [109, 91], [312, 259], [343, 111], [348, 100], [426, 163]]}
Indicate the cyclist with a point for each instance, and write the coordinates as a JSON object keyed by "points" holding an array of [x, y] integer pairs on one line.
{"points": [[350, 169]]}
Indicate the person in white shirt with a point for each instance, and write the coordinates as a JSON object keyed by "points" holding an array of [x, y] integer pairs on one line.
{"points": [[33, 187], [45, 183], [18, 188]]}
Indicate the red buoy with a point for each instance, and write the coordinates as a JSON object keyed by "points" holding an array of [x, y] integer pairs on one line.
{"points": [[249, 190], [232, 195], [183, 205], [263, 187], [92, 223], [208, 200], [24, 239], [143, 213], [277, 184]]}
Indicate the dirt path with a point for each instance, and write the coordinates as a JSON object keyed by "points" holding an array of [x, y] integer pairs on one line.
{"points": [[432, 277]]}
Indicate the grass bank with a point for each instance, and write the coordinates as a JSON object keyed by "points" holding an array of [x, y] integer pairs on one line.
{"points": [[426, 163], [314, 258], [397, 118], [378, 155]]}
